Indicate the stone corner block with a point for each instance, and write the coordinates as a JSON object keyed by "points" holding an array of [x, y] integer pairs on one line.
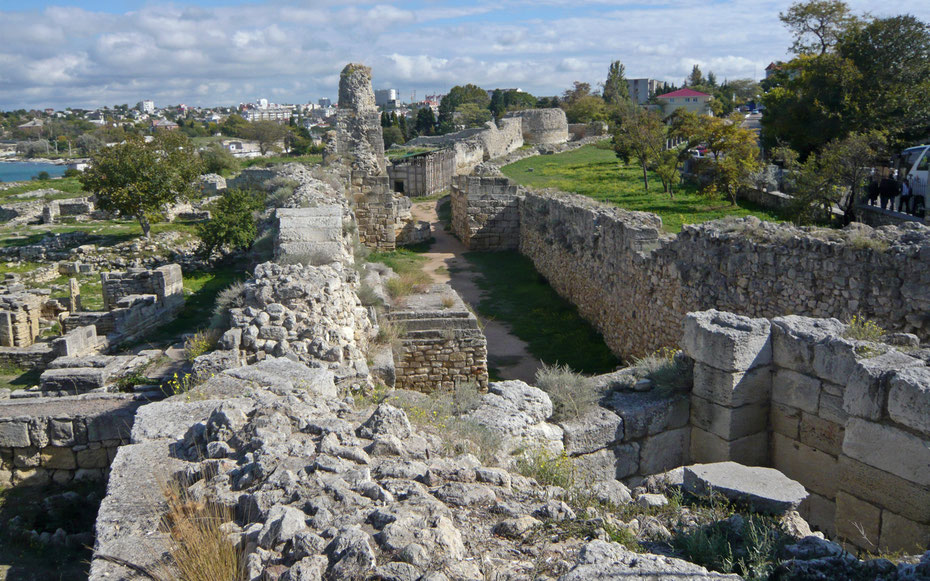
{"points": [[726, 341], [909, 399]]}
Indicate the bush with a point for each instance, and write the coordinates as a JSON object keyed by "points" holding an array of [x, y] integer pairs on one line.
{"points": [[199, 343], [572, 394], [71, 173], [736, 545], [42, 175], [232, 224], [218, 159], [547, 468], [861, 328], [669, 369]]}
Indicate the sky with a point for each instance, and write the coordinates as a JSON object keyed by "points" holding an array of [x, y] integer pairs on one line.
{"points": [[225, 52]]}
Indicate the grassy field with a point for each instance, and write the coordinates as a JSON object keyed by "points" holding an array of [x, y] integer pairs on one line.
{"points": [[277, 159], [70, 186], [551, 326], [596, 173]]}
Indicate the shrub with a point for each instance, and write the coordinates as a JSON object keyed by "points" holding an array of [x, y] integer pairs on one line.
{"points": [[860, 242], [861, 328], [668, 369], [389, 332], [199, 343], [572, 394], [231, 297], [200, 549], [547, 468], [71, 173], [744, 546], [218, 159], [232, 223]]}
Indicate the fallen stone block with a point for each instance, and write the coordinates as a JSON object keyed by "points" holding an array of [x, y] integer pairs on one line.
{"points": [[764, 489], [78, 380]]}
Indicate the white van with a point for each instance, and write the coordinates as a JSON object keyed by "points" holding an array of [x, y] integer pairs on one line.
{"points": [[915, 164]]}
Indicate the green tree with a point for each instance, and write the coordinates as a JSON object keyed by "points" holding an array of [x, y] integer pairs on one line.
{"points": [[233, 125], [392, 135], [696, 78], [217, 159], [640, 135], [734, 149], [139, 180], [585, 109], [266, 133], [231, 224], [456, 97], [402, 125], [578, 91], [471, 115], [817, 25], [426, 121], [616, 90]]}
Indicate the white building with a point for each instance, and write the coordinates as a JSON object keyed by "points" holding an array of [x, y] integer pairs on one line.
{"points": [[147, 106], [385, 96], [642, 89]]}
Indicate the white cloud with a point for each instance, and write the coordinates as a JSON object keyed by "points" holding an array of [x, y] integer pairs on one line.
{"points": [[293, 50]]}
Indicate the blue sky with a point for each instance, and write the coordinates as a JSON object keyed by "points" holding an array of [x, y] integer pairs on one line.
{"points": [[223, 52]]}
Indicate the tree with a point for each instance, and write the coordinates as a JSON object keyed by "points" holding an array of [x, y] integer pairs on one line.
{"points": [[471, 115], [426, 121], [578, 91], [455, 98], [402, 125], [616, 90], [711, 79], [139, 180], [266, 133], [511, 100], [217, 159], [696, 78], [640, 135], [817, 25], [734, 149], [231, 224], [392, 135], [586, 109], [233, 125]]}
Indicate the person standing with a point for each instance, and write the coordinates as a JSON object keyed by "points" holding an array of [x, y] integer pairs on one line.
{"points": [[887, 190], [904, 203], [873, 189]]}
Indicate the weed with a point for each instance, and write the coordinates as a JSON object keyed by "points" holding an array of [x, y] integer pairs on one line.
{"points": [[182, 384], [547, 468], [860, 242], [405, 284], [200, 548], [447, 302], [747, 546], [231, 297], [126, 383], [668, 369], [389, 332], [861, 328], [572, 394], [199, 343], [368, 296]]}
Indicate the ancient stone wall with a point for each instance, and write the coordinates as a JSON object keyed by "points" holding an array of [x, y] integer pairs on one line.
{"points": [[473, 146], [634, 283], [542, 126], [423, 174], [19, 319], [845, 418], [379, 212], [62, 439], [441, 345], [310, 235], [357, 139], [486, 212], [585, 130], [165, 282]]}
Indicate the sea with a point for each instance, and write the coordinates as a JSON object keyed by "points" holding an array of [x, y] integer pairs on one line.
{"points": [[17, 171]]}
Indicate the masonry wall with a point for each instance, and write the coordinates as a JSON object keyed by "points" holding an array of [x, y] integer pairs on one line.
{"points": [[61, 439], [634, 283], [424, 174], [19, 319], [847, 419], [165, 282], [486, 212], [379, 212]]}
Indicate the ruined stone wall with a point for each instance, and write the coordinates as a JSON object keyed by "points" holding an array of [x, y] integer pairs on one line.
{"points": [[845, 418], [424, 174], [441, 345], [585, 130], [357, 139], [542, 126], [379, 212], [62, 439], [634, 283], [311, 235], [165, 282], [486, 212], [19, 319], [473, 146]]}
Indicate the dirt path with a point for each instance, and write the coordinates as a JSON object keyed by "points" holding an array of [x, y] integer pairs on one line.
{"points": [[445, 263]]}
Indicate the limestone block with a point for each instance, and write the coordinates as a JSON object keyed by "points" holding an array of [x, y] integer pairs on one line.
{"points": [[884, 489], [814, 469], [595, 430], [664, 451], [796, 390], [58, 458], [14, 434], [62, 476], [647, 413], [26, 457], [820, 513], [867, 386], [785, 420], [889, 449], [765, 489], [834, 360], [793, 339], [857, 521], [61, 432], [608, 464], [750, 450], [31, 477], [909, 398], [89, 474], [831, 408], [821, 434], [116, 425], [93, 458], [728, 423], [726, 341], [902, 534], [732, 388]]}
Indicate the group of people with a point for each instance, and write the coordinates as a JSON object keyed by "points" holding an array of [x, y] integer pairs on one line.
{"points": [[886, 189]]}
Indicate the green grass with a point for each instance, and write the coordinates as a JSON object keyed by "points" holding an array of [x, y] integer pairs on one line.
{"points": [[404, 261], [70, 186], [13, 377], [552, 328], [596, 173], [278, 159], [103, 233], [200, 290]]}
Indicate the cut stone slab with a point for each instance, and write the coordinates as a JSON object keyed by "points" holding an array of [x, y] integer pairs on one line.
{"points": [[600, 560], [726, 341], [765, 489]]}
